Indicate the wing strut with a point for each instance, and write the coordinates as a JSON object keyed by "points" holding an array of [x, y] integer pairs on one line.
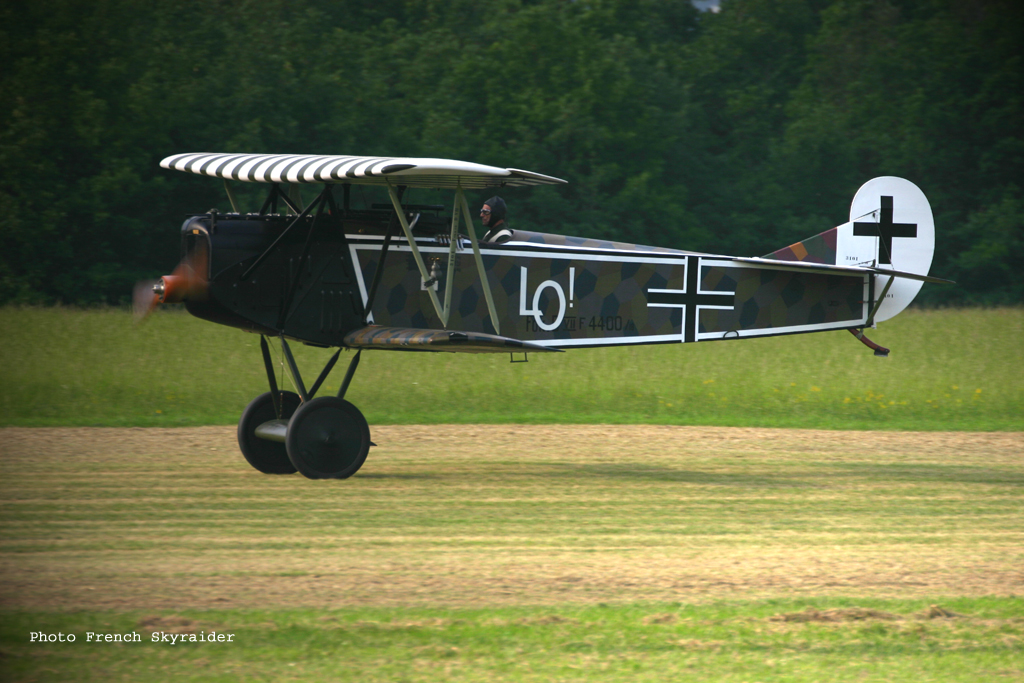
{"points": [[397, 203], [231, 196], [443, 312], [379, 273], [460, 198], [273, 246], [453, 246], [286, 305]]}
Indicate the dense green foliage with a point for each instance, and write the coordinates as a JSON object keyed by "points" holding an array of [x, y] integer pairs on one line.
{"points": [[736, 132], [948, 370]]}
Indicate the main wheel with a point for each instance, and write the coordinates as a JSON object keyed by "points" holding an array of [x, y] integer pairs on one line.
{"points": [[328, 438], [269, 457]]}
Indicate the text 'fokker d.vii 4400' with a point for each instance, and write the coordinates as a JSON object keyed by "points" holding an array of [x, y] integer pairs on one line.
{"points": [[409, 277]]}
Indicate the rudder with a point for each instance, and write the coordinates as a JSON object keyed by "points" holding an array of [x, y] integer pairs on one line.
{"points": [[890, 227]]}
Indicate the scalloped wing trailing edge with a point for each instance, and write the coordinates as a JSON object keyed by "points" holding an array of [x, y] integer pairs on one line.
{"points": [[358, 170]]}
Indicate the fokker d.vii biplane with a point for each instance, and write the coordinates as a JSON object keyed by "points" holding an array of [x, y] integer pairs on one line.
{"points": [[408, 277]]}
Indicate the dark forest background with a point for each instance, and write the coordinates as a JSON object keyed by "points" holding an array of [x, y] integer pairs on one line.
{"points": [[737, 132]]}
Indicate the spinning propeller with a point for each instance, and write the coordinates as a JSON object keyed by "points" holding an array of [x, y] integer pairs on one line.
{"points": [[189, 281]]}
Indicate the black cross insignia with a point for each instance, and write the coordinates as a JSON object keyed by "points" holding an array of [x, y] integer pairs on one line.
{"points": [[885, 229], [690, 298]]}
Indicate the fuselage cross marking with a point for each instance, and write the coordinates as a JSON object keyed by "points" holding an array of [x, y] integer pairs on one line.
{"points": [[690, 298]]}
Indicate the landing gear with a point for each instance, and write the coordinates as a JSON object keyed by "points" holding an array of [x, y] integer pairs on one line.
{"points": [[323, 438], [269, 457], [328, 438]]}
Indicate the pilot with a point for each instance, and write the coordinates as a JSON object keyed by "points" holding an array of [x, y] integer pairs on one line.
{"points": [[493, 217]]}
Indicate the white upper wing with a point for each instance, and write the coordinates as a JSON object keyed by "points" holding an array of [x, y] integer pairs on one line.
{"points": [[311, 168]]}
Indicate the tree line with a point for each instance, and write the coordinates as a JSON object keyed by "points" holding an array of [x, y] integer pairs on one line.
{"points": [[734, 132]]}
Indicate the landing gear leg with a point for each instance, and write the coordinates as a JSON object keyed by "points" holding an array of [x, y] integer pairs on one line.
{"points": [[326, 438], [323, 438], [269, 457]]}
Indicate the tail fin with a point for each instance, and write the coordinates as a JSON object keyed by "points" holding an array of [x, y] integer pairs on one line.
{"points": [[890, 227]]}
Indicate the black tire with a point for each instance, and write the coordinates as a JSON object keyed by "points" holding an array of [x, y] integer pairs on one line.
{"points": [[328, 438], [269, 457]]}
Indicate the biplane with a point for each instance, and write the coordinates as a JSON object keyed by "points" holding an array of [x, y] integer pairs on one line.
{"points": [[400, 276]]}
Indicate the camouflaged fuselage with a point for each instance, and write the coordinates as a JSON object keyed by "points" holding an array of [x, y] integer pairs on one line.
{"points": [[567, 292]]}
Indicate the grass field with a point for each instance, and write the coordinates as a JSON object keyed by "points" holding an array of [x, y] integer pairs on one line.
{"points": [[724, 641], [628, 544], [949, 369], [519, 553]]}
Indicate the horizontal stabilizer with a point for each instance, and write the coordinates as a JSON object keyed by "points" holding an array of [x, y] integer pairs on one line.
{"points": [[804, 267], [450, 341]]}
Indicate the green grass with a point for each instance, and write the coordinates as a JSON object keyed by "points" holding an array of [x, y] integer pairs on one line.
{"points": [[949, 369], [727, 641], [520, 553]]}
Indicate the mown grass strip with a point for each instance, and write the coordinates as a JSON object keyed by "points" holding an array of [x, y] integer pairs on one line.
{"points": [[771, 640], [949, 369], [464, 516]]}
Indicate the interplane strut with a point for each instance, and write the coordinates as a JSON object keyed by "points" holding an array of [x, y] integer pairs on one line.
{"points": [[444, 311]]}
